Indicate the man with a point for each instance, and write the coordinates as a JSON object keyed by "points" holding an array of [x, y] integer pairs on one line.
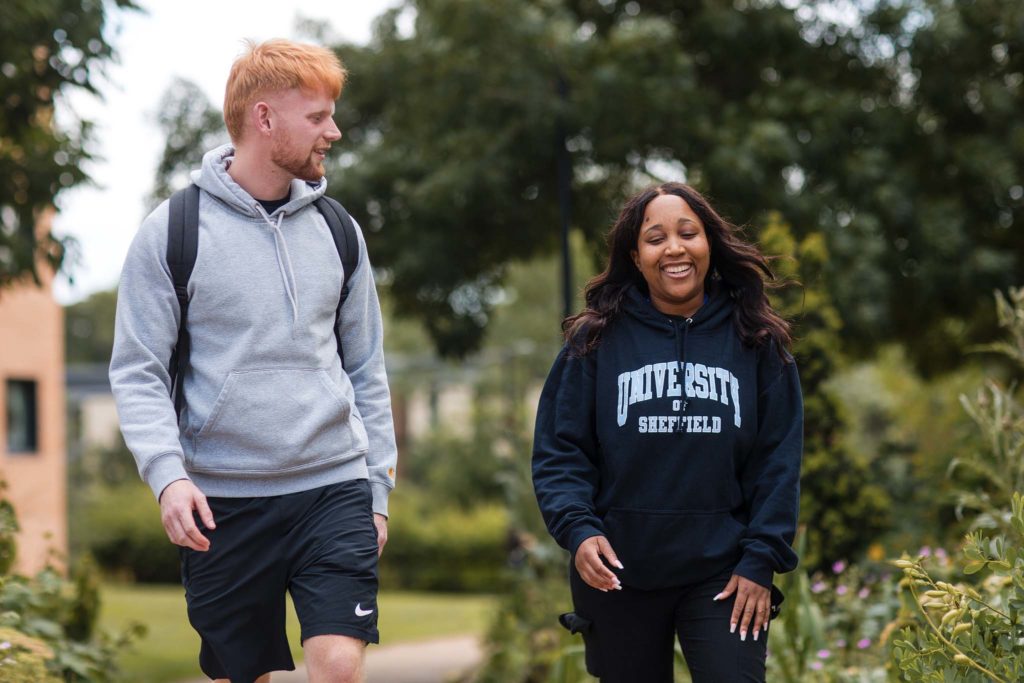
{"points": [[276, 475]]}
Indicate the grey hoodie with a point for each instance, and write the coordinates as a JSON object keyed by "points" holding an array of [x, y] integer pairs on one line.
{"points": [[269, 409]]}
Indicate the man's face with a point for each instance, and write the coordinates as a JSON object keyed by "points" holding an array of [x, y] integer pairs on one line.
{"points": [[302, 130]]}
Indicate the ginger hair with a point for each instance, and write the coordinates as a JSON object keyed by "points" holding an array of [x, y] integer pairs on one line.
{"points": [[278, 65]]}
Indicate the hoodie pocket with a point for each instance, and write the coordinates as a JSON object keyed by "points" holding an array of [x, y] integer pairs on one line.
{"points": [[274, 420], [661, 548]]}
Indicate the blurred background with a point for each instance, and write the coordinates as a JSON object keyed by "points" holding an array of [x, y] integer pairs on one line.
{"points": [[875, 148]]}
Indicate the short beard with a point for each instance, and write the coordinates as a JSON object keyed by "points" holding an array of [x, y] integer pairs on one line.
{"points": [[301, 166]]}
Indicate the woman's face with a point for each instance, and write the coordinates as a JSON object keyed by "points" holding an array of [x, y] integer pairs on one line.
{"points": [[673, 255]]}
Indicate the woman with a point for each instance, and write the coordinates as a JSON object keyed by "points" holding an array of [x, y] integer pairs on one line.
{"points": [[668, 445]]}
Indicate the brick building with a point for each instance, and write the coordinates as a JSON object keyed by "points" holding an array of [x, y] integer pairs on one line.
{"points": [[32, 417]]}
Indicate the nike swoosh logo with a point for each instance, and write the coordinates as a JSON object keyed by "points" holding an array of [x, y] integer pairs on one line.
{"points": [[360, 612]]}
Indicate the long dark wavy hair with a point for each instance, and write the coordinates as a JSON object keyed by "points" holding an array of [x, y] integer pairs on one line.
{"points": [[737, 267]]}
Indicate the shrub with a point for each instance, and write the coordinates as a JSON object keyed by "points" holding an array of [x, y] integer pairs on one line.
{"points": [[434, 545], [971, 629], [47, 625], [969, 632], [120, 526]]}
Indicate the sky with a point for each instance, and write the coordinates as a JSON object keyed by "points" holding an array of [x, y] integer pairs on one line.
{"points": [[193, 39]]}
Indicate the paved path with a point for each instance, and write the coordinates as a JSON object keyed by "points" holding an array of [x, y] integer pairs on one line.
{"points": [[428, 661]]}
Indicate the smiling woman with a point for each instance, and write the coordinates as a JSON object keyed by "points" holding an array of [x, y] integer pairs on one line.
{"points": [[667, 448], [673, 255]]}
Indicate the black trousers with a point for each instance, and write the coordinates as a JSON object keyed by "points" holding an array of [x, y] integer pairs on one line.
{"points": [[632, 634]]}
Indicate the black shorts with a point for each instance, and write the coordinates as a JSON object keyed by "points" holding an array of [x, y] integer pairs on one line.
{"points": [[319, 545]]}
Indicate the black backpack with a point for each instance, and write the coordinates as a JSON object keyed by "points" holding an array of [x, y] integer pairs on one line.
{"points": [[183, 245]]}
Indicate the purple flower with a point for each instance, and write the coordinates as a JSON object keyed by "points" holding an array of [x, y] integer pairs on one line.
{"points": [[841, 589], [863, 592], [838, 566], [815, 665], [818, 586], [940, 553], [925, 551], [841, 643], [864, 643], [824, 654]]}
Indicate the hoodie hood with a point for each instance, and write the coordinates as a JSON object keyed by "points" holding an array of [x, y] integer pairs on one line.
{"points": [[715, 312], [214, 178]]}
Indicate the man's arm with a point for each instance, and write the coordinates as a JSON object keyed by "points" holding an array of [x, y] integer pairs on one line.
{"points": [[145, 333], [362, 338]]}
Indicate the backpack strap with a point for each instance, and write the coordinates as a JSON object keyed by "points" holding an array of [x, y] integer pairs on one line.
{"points": [[343, 231], [182, 247]]}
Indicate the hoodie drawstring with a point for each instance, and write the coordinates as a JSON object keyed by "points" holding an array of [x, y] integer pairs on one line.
{"points": [[285, 265], [681, 353]]}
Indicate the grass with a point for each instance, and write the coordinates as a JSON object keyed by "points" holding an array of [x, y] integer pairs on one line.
{"points": [[170, 650]]}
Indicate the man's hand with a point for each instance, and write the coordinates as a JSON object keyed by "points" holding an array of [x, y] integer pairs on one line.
{"points": [[753, 602], [592, 569], [177, 502], [381, 522]]}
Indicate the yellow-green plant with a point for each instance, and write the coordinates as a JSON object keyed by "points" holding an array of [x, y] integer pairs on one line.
{"points": [[971, 630], [996, 471], [968, 633]]}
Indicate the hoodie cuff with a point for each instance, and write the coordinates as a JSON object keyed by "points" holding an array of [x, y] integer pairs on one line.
{"points": [[581, 533], [163, 470], [380, 494], [755, 570]]}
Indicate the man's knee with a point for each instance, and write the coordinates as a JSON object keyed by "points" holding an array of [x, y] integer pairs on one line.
{"points": [[334, 659]]}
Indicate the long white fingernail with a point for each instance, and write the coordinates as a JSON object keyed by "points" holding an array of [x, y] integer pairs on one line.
{"points": [[756, 631], [743, 636], [619, 564], [717, 597], [732, 628]]}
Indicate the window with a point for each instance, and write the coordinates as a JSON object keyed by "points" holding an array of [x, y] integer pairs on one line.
{"points": [[22, 422]]}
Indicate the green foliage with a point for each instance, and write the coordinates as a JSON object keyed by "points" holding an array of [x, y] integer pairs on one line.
{"points": [[24, 659], [848, 129], [968, 632], [47, 47], [949, 199], [463, 471], [841, 507], [434, 545], [832, 625], [47, 626], [191, 126], [908, 428], [991, 473], [89, 329], [120, 526], [971, 630], [8, 529]]}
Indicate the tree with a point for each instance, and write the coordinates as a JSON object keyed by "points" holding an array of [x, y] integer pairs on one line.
{"points": [[453, 129], [191, 126], [842, 509], [89, 329], [453, 124], [47, 47], [949, 198]]}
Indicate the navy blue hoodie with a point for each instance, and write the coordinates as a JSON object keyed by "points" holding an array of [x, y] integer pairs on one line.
{"points": [[678, 442]]}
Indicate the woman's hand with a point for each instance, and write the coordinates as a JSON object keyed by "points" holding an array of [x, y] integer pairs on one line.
{"points": [[592, 569], [753, 601]]}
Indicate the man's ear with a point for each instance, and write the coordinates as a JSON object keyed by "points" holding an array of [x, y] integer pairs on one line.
{"points": [[261, 118]]}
